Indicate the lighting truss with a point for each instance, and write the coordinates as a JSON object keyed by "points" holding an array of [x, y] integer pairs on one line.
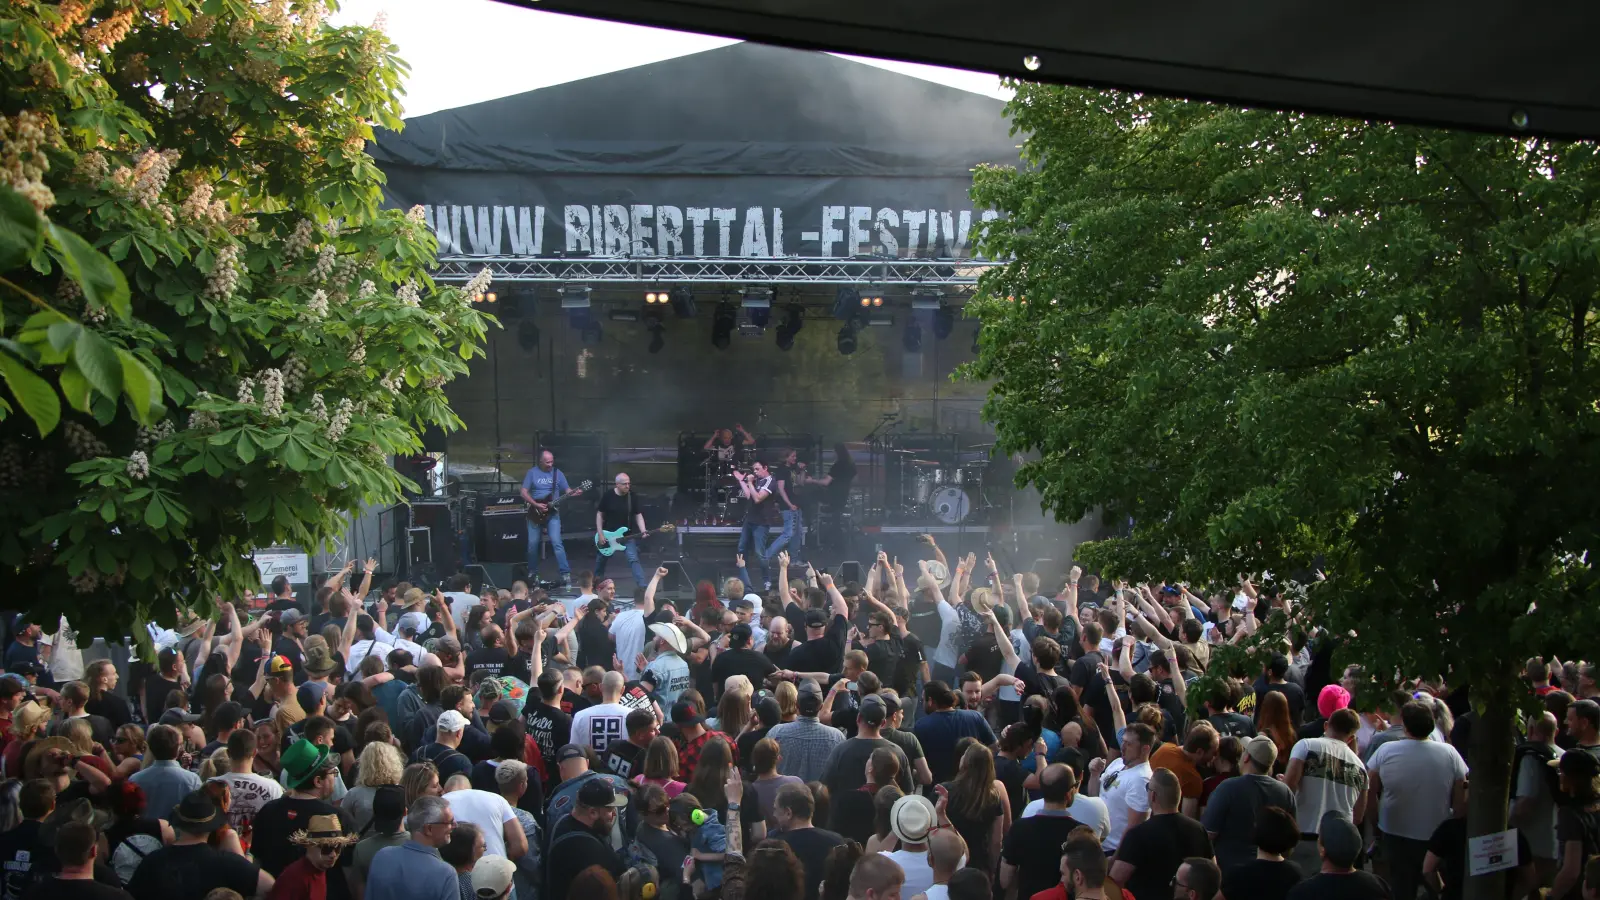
{"points": [[680, 270]]}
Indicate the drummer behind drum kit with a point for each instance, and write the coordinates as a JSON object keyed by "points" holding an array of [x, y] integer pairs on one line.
{"points": [[722, 488], [945, 493]]}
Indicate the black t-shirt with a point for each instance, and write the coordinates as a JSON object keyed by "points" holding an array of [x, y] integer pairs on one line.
{"points": [[1236, 724], [757, 512], [594, 643], [1010, 773], [191, 871], [909, 665], [570, 855], [824, 654], [617, 511], [622, 757], [492, 660], [1355, 885], [54, 888], [778, 655], [750, 663], [287, 648], [156, 689], [1085, 675], [785, 475], [24, 859], [746, 746], [847, 770], [1261, 879], [923, 621], [1449, 843], [113, 707], [280, 818], [1290, 691], [812, 846], [551, 729], [1033, 845], [843, 472], [883, 659], [1156, 848], [984, 656]]}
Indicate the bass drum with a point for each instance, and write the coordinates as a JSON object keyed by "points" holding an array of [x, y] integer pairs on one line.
{"points": [[950, 505]]}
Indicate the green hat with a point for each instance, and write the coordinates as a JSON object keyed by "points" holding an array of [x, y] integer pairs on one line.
{"points": [[302, 761]]}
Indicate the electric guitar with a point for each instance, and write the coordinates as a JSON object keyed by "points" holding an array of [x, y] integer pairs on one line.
{"points": [[540, 513], [609, 542]]}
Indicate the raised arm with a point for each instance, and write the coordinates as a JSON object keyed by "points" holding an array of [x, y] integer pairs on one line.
{"points": [[933, 585], [650, 591], [783, 576], [840, 608], [367, 568], [445, 615], [1008, 653], [937, 553], [337, 578], [1147, 630], [1119, 719], [351, 614], [1069, 594], [1180, 687], [233, 641], [899, 626], [1125, 657]]}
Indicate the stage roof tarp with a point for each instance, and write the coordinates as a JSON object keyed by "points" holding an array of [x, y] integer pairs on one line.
{"points": [[1505, 67], [746, 152]]}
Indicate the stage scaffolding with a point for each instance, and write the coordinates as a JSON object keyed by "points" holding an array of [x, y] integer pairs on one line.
{"points": [[667, 270]]}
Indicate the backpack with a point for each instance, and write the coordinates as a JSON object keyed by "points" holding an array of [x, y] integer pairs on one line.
{"points": [[1544, 753]]}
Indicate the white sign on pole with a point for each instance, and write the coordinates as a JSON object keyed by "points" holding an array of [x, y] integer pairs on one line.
{"points": [[291, 563], [1492, 852]]}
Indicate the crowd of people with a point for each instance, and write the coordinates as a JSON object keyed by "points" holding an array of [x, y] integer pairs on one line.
{"points": [[955, 734]]}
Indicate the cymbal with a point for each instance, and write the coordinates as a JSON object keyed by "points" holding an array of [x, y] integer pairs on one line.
{"points": [[925, 462]]}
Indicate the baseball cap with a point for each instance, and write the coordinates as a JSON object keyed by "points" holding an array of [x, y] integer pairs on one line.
{"points": [[491, 877], [872, 711], [569, 752], [598, 792], [310, 694], [388, 807], [816, 618], [740, 632], [176, 716], [502, 711], [911, 818], [1262, 750], [684, 712], [809, 699], [280, 665], [768, 711], [27, 667], [290, 616], [1340, 838], [452, 722], [414, 622]]}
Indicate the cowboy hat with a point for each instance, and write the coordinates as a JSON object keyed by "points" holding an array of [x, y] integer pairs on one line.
{"points": [[323, 831], [75, 810], [198, 813], [29, 717], [412, 599], [939, 572], [672, 635], [981, 600], [36, 754]]}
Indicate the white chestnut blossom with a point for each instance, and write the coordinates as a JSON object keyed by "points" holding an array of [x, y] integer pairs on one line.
{"points": [[272, 393], [417, 214], [299, 240], [247, 391], [200, 420], [224, 277], [359, 354], [479, 283], [138, 466], [367, 290], [341, 420], [294, 373], [393, 383], [408, 295], [326, 257], [317, 306], [319, 408]]}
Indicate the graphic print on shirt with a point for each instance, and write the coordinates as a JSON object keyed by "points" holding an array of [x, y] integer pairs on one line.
{"points": [[603, 730], [1339, 771]]}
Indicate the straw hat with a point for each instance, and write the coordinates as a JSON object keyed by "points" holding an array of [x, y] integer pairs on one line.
{"points": [[33, 761], [28, 718], [981, 600], [323, 831]]}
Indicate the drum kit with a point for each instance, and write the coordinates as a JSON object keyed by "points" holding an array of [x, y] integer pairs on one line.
{"points": [[930, 489], [723, 498]]}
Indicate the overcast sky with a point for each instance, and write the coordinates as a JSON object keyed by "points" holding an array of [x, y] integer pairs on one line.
{"points": [[468, 51]]}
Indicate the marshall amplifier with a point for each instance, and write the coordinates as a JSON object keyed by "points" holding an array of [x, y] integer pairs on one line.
{"points": [[503, 530]]}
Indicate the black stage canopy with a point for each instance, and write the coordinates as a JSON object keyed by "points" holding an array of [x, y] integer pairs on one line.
{"points": [[1508, 67], [748, 154]]}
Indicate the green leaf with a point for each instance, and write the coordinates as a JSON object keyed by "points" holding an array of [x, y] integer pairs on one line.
{"points": [[246, 448], [75, 388], [139, 384], [102, 282], [62, 334], [20, 235], [155, 515], [37, 398], [294, 455], [96, 358]]}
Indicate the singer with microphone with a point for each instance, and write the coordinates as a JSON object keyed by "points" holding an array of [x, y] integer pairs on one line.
{"points": [[756, 487]]}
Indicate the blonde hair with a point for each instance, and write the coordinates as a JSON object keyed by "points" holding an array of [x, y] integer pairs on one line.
{"points": [[80, 734], [380, 764], [215, 764], [733, 589], [788, 700]]}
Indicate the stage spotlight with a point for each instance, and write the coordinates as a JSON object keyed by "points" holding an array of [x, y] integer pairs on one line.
{"points": [[845, 301], [793, 321], [574, 296], [657, 334], [528, 335], [847, 338], [944, 321], [911, 338], [682, 300], [723, 322], [653, 297]]}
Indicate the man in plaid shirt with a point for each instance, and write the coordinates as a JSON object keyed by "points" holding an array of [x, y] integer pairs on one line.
{"points": [[692, 737], [805, 743]]}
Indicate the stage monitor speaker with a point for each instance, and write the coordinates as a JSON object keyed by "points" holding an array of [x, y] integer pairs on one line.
{"points": [[419, 546], [480, 578], [677, 586], [850, 571]]}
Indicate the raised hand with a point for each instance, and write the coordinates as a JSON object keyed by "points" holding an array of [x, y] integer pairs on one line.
{"points": [[783, 558], [662, 572], [738, 560], [370, 566], [1075, 574]]}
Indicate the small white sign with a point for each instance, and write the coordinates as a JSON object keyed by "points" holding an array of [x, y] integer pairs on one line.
{"points": [[291, 563], [1492, 852]]}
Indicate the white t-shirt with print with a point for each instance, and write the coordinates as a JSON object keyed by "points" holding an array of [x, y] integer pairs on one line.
{"points": [[1123, 789]]}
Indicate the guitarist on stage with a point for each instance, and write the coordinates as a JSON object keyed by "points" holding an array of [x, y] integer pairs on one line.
{"points": [[618, 509], [541, 488]]}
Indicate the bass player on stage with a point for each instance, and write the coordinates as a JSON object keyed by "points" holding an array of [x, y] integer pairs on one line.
{"points": [[543, 487], [619, 509]]}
